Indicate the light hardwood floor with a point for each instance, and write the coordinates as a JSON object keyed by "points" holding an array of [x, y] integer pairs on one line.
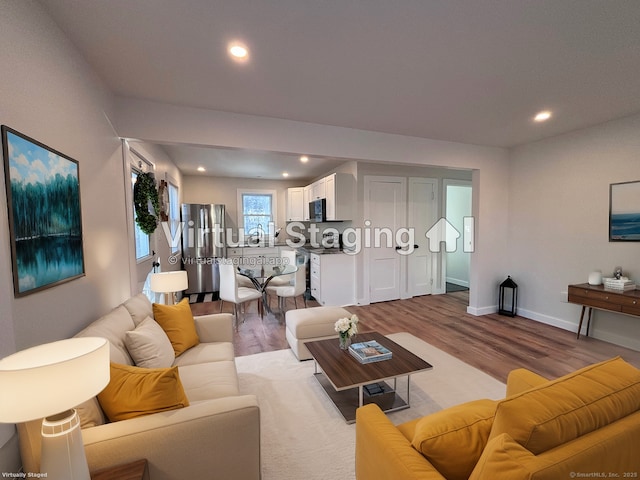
{"points": [[495, 344]]}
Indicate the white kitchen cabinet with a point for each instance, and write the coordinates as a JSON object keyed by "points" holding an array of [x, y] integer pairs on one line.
{"points": [[295, 204], [339, 192], [306, 194], [318, 189], [333, 278]]}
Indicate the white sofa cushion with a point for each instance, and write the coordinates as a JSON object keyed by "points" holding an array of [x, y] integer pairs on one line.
{"points": [[205, 353], [139, 308], [209, 380], [113, 326], [149, 346]]}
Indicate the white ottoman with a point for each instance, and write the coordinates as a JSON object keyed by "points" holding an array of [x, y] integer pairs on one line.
{"points": [[309, 324]]}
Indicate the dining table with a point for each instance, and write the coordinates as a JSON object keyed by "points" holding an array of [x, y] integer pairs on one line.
{"points": [[260, 278]]}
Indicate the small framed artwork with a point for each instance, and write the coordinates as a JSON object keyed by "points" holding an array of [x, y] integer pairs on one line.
{"points": [[624, 212], [45, 221]]}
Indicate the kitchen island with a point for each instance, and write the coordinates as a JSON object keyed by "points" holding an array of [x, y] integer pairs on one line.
{"points": [[332, 277]]}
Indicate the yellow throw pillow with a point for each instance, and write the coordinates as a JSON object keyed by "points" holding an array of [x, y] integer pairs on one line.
{"points": [[453, 439], [177, 322], [505, 458], [136, 391]]}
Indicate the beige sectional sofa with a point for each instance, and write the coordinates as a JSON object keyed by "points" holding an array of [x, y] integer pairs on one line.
{"points": [[216, 436]]}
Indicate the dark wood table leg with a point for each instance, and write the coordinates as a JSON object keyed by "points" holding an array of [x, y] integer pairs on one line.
{"points": [[589, 320], [581, 319]]}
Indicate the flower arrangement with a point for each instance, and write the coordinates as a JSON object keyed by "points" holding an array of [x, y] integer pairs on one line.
{"points": [[346, 328]]}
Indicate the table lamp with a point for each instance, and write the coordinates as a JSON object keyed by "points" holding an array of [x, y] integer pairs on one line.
{"points": [[49, 381], [169, 283]]}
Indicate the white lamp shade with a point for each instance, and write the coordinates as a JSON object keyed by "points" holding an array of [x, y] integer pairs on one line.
{"points": [[51, 378], [169, 282]]}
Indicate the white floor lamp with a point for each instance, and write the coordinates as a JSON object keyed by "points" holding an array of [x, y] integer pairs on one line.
{"points": [[49, 381]]}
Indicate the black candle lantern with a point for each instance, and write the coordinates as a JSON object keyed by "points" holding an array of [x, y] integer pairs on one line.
{"points": [[508, 295]]}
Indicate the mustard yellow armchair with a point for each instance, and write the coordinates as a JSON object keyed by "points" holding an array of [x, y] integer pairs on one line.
{"points": [[587, 421]]}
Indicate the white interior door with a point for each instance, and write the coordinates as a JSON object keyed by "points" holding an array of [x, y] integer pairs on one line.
{"points": [[422, 263], [385, 213]]}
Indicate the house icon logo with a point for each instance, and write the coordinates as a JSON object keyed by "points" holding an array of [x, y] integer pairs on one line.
{"points": [[444, 232]]}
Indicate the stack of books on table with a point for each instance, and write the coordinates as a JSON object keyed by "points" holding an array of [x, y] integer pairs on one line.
{"points": [[619, 285], [367, 352]]}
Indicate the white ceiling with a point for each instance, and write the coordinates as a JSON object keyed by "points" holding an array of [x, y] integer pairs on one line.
{"points": [[472, 71], [227, 162]]}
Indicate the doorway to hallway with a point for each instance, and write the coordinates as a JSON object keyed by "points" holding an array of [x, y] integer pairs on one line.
{"points": [[457, 206]]}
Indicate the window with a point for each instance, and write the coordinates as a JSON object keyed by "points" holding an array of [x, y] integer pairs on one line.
{"points": [[143, 248], [257, 211]]}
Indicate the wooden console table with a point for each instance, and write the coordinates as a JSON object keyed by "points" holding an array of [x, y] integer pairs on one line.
{"points": [[596, 296]]}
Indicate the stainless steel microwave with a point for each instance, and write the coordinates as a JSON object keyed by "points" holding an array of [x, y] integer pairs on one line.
{"points": [[318, 210]]}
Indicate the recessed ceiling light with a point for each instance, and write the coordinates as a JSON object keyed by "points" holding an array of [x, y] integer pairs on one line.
{"points": [[285, 174], [201, 169], [542, 116], [238, 51], [304, 159]]}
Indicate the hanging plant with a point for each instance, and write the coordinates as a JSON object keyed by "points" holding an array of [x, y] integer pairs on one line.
{"points": [[144, 191]]}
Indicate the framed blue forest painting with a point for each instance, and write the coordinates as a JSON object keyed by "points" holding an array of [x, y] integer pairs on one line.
{"points": [[45, 220], [624, 212]]}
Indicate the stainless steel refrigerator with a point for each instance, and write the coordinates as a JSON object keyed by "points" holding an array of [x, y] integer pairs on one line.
{"points": [[203, 243]]}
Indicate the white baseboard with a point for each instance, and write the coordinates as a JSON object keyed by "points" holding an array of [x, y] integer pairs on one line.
{"points": [[573, 327], [482, 310], [548, 320], [627, 342], [457, 281]]}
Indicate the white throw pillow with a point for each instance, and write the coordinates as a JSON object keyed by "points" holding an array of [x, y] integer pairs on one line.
{"points": [[149, 346]]}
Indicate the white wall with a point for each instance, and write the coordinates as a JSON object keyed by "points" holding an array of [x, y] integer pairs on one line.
{"points": [[162, 123], [9, 458], [558, 222], [49, 93], [165, 169], [208, 189]]}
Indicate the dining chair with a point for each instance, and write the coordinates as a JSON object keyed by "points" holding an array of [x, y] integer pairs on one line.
{"points": [[288, 257], [296, 287], [230, 291]]}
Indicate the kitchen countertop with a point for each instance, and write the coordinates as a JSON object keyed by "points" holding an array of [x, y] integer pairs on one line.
{"points": [[307, 246], [325, 251]]}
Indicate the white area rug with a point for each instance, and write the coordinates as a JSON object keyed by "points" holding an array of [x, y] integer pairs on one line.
{"points": [[304, 437]]}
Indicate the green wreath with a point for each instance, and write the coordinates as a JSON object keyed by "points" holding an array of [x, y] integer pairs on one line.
{"points": [[144, 191]]}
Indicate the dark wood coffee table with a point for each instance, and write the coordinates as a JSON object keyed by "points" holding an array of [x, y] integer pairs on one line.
{"points": [[351, 384]]}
